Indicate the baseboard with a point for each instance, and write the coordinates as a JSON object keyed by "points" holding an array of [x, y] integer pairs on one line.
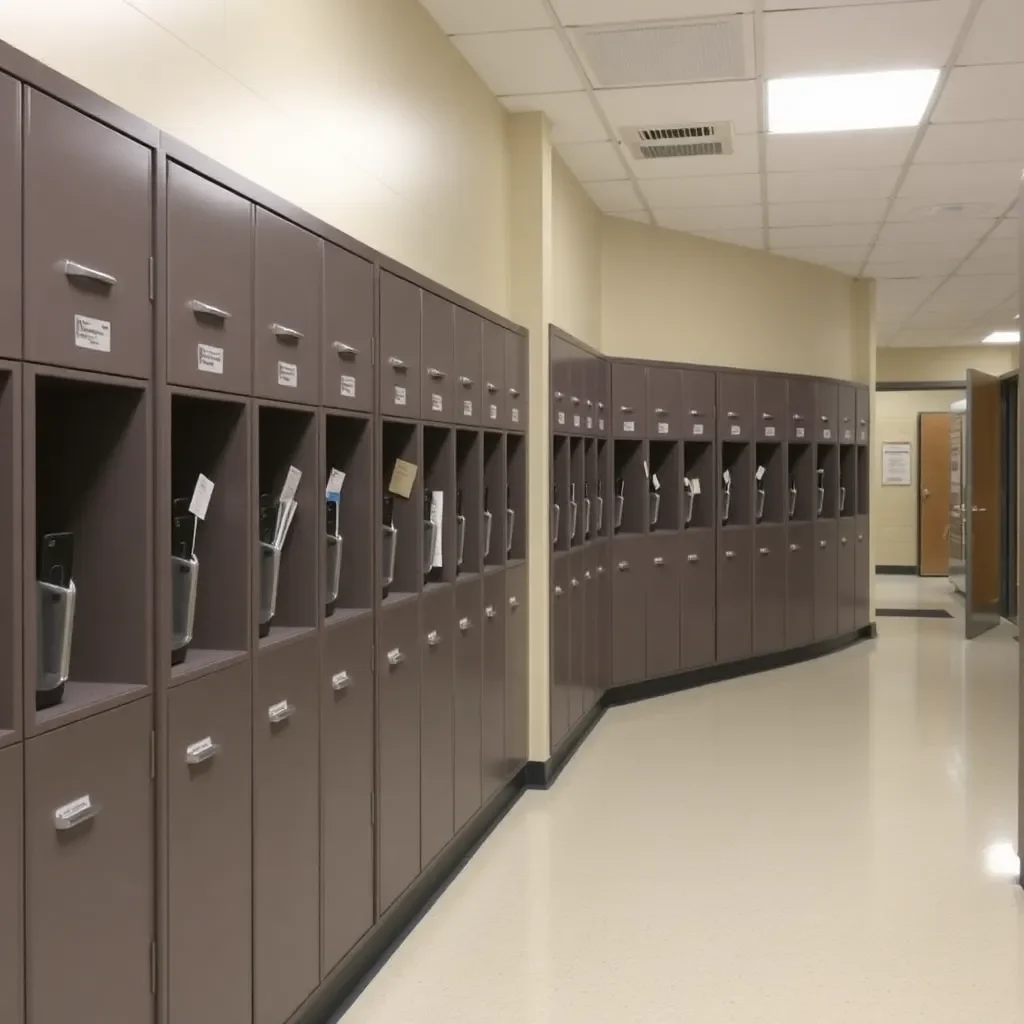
{"points": [[542, 774], [648, 688], [896, 570]]}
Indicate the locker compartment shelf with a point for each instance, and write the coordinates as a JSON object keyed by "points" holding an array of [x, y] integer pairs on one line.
{"points": [[629, 498]]}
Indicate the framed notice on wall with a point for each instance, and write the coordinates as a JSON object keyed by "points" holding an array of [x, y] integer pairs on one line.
{"points": [[896, 470]]}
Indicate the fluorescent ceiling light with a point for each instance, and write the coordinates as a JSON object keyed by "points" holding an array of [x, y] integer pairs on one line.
{"points": [[842, 103], [1002, 338]]}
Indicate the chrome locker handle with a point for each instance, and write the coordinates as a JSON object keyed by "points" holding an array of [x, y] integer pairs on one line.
{"points": [[466, 382], [695, 412], [433, 638], [661, 412], [575, 583], [625, 408], [202, 750], [623, 566], [824, 419], [558, 593], [764, 551], [693, 558], [286, 333], [733, 415], [395, 656], [588, 575], [489, 610], [797, 416], [730, 554], [280, 712], [860, 536], [465, 625], [492, 388], [514, 392], [344, 350], [559, 396], [76, 813], [205, 309], [73, 269], [575, 400], [659, 561], [436, 374], [340, 681], [842, 540], [397, 364], [767, 416], [600, 570], [794, 547], [513, 602], [822, 543]]}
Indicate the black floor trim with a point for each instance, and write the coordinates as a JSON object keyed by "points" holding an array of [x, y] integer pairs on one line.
{"points": [[896, 570], [912, 613], [542, 774]]}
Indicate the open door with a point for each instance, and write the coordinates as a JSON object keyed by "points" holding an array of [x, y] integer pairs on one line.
{"points": [[983, 502], [933, 433]]}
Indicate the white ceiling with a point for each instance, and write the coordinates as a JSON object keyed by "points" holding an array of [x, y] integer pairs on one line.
{"points": [[873, 204]]}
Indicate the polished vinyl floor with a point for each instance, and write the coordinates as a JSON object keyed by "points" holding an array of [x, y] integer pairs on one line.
{"points": [[824, 844]]}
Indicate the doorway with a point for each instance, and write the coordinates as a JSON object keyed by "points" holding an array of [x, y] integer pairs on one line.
{"points": [[933, 493], [1009, 490]]}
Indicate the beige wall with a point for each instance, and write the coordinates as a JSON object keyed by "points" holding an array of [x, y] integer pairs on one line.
{"points": [[918, 364], [667, 295], [894, 509], [360, 111]]}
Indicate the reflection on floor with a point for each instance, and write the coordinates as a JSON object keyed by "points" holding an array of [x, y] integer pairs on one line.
{"points": [[825, 843]]}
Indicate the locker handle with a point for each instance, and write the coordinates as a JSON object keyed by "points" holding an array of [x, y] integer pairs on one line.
{"points": [[286, 333], [863, 423], [433, 638], [466, 382], [693, 558], [797, 416], [575, 400], [822, 543], [76, 813], [436, 374], [659, 561], [695, 412], [73, 269], [764, 551], [623, 566], [202, 750], [842, 540], [340, 681], [794, 547], [661, 412], [344, 350], [465, 625], [600, 405], [513, 602], [493, 388], [559, 396], [558, 593], [514, 392], [860, 536], [600, 570], [824, 419], [205, 309], [730, 554], [396, 363], [575, 583], [590, 403], [280, 712], [625, 408], [395, 656], [733, 415], [588, 575], [489, 610], [767, 416]]}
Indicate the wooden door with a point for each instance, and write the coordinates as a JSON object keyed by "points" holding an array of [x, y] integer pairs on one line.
{"points": [[933, 489]]}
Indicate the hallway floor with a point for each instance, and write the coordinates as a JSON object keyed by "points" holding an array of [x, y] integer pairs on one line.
{"points": [[814, 845]]}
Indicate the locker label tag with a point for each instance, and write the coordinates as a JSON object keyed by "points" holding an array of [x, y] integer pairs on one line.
{"points": [[348, 386], [628, 426], [335, 482], [92, 334], [399, 396], [600, 424], [515, 415], [201, 497], [561, 419], [799, 431], [769, 431], [494, 412], [695, 485], [291, 484], [734, 430], [575, 421], [590, 423], [437, 403], [210, 359], [698, 430], [287, 375], [827, 434], [662, 428], [467, 408]]}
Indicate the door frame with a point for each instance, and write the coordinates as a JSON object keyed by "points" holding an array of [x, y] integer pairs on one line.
{"points": [[1010, 412]]}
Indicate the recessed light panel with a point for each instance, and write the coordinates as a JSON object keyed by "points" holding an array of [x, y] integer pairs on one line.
{"points": [[842, 103], [1002, 338]]}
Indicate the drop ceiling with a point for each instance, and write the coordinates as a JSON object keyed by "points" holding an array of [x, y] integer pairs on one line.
{"points": [[930, 212]]}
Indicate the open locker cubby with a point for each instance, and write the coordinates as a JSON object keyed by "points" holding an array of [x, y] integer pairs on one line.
{"points": [[847, 500], [516, 476], [494, 500], [698, 486], [826, 459], [401, 551], [348, 447], [628, 507], [438, 476], [591, 477], [10, 553], [801, 505], [287, 437], [88, 474], [664, 504], [863, 481], [560, 475], [577, 479], [773, 484], [210, 609], [603, 510], [469, 483], [737, 461]]}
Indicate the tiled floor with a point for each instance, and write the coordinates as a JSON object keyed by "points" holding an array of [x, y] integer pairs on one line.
{"points": [[807, 845]]}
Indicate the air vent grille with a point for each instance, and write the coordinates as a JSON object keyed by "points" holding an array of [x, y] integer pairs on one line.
{"points": [[675, 141], [681, 149]]}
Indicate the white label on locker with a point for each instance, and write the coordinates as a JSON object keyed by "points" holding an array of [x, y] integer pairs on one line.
{"points": [[467, 408], [348, 386], [600, 424], [848, 435], [210, 358], [493, 412], [72, 810], [287, 375], [695, 485], [335, 482], [769, 431], [201, 497], [698, 430], [561, 418], [759, 475], [628, 426], [399, 396], [734, 430], [92, 334], [827, 434], [291, 483], [590, 423], [515, 415], [799, 431], [575, 421], [863, 435], [662, 428], [197, 749], [437, 403]]}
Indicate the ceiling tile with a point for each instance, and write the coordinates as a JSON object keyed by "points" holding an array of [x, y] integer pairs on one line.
{"points": [[593, 12], [983, 93], [822, 236], [972, 143], [997, 249], [745, 159], [710, 218], [887, 148], [997, 35], [728, 190], [902, 252], [460, 16], [906, 211], [713, 101], [941, 318], [641, 216], [911, 268], [573, 118], [963, 183], [823, 186], [975, 266], [863, 211], [939, 230], [863, 38], [935, 337], [520, 62], [896, 292], [614, 196], [592, 161], [749, 238], [1009, 228], [987, 291], [838, 255], [791, 5]]}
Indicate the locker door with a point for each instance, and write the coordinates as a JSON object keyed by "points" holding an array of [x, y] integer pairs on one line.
{"points": [[209, 857], [802, 403], [493, 359], [863, 574], [772, 406], [286, 830], [629, 398], [561, 649], [400, 317], [398, 752], [209, 284], [561, 382], [769, 589], [11, 887], [826, 412], [492, 707], [663, 605], [826, 580], [88, 223], [578, 632], [348, 331], [437, 359], [664, 402], [517, 380], [800, 585], [346, 787], [468, 366], [863, 403], [847, 425], [735, 595], [629, 609], [468, 671], [698, 599], [602, 616], [517, 675], [603, 398], [10, 219], [437, 742], [89, 869], [737, 405], [591, 629], [847, 611], [698, 413]]}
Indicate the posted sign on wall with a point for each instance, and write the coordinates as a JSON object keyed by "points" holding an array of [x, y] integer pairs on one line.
{"points": [[896, 469]]}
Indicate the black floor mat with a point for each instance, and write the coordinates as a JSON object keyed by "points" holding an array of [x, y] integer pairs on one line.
{"points": [[913, 613]]}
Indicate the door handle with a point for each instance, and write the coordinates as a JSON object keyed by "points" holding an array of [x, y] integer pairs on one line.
{"points": [[205, 309], [693, 558], [860, 537], [514, 392], [489, 610], [344, 350], [797, 416], [730, 554], [73, 269], [340, 681], [733, 415], [513, 602], [822, 543], [764, 551], [559, 396], [465, 625], [588, 575], [842, 540], [558, 591], [661, 412], [625, 408], [695, 412], [466, 382], [436, 374], [767, 416], [575, 583], [623, 566], [925, 494], [600, 405], [397, 364], [286, 333], [202, 750], [280, 712], [600, 570], [575, 400], [76, 813], [395, 656], [659, 561], [794, 547], [493, 388], [433, 638]]}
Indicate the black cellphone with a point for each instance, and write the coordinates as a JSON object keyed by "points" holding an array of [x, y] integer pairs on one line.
{"points": [[332, 517], [56, 554], [268, 518], [389, 510]]}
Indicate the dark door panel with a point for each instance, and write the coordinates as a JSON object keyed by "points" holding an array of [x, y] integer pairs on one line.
{"points": [[578, 632], [629, 398], [517, 380], [863, 574], [847, 612], [209, 857], [802, 404], [89, 869], [493, 359], [771, 423], [602, 614], [468, 674], [348, 331], [735, 595], [847, 425], [400, 318], [437, 359], [561, 650], [437, 742], [468, 366], [800, 585], [11, 886], [698, 589], [10, 223], [769, 589], [561, 382], [346, 787], [492, 707], [88, 236], [592, 628], [629, 609], [737, 406], [663, 605], [698, 412], [826, 580], [517, 672], [209, 284], [863, 415], [826, 412], [664, 402]]}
